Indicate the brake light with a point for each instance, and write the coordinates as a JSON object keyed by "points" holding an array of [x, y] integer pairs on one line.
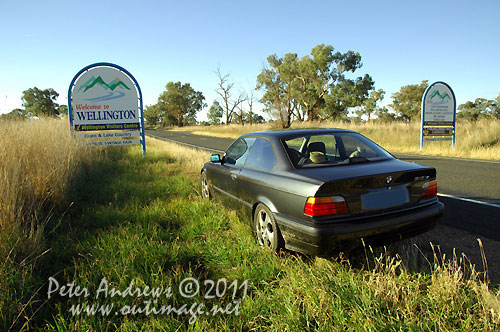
{"points": [[429, 190], [324, 206]]}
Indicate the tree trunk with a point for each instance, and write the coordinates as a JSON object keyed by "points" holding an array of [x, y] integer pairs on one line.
{"points": [[288, 122], [310, 115]]}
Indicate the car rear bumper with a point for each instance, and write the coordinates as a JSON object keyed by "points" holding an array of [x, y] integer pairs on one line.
{"points": [[320, 238]]}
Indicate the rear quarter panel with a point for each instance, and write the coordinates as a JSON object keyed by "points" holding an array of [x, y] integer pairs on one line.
{"points": [[280, 192]]}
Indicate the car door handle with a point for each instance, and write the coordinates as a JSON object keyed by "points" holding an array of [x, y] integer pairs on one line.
{"points": [[234, 176]]}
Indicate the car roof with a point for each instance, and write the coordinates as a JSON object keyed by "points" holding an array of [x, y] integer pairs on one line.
{"points": [[296, 132]]}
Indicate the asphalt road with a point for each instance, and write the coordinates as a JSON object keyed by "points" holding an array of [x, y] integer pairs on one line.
{"points": [[458, 179]]}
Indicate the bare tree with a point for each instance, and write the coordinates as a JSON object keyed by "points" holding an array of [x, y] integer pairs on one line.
{"points": [[229, 104], [250, 100], [241, 114]]}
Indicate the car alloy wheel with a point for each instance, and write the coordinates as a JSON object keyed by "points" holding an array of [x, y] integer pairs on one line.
{"points": [[266, 230], [205, 190]]}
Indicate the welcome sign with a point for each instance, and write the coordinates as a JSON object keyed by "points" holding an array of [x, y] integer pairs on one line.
{"points": [[105, 97], [438, 114]]}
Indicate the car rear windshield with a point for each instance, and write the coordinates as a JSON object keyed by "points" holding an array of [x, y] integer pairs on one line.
{"points": [[318, 150]]}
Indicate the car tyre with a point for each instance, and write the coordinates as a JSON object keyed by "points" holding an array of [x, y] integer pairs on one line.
{"points": [[266, 230], [205, 188]]}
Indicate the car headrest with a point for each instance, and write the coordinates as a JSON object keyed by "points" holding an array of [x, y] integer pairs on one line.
{"points": [[317, 146]]}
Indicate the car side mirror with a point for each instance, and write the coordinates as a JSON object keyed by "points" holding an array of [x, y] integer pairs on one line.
{"points": [[215, 158]]}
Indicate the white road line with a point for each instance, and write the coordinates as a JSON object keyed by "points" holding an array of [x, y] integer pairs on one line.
{"points": [[470, 200]]}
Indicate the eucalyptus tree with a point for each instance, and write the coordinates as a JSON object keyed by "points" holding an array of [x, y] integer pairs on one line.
{"points": [[316, 86], [369, 106], [37, 102], [180, 102], [407, 102], [215, 113]]}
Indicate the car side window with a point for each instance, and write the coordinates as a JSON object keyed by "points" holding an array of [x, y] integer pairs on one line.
{"points": [[238, 151], [261, 156], [295, 143]]}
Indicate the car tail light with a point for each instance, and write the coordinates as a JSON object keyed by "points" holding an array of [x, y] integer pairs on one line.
{"points": [[429, 190], [324, 206]]}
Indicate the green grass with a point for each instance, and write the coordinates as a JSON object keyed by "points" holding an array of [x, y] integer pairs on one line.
{"points": [[142, 220]]}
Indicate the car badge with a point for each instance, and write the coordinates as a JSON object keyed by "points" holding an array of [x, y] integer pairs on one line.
{"points": [[388, 179]]}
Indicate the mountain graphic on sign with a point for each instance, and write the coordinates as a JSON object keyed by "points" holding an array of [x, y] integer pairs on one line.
{"points": [[116, 83], [442, 97], [99, 81]]}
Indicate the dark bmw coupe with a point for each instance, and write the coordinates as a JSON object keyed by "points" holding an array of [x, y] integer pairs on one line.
{"points": [[320, 189]]}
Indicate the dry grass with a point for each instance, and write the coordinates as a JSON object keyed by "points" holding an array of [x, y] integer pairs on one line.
{"points": [[190, 159], [478, 140], [37, 161]]}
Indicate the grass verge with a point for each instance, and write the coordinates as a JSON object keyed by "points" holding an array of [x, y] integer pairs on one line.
{"points": [[140, 222]]}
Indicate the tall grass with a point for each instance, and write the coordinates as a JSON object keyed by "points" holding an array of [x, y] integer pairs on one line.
{"points": [[35, 163], [38, 159], [479, 139], [38, 162], [192, 160]]}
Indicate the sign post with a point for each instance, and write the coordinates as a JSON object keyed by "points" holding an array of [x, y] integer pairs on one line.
{"points": [[105, 107], [438, 114]]}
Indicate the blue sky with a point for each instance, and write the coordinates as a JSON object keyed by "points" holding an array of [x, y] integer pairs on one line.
{"points": [[45, 43]]}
